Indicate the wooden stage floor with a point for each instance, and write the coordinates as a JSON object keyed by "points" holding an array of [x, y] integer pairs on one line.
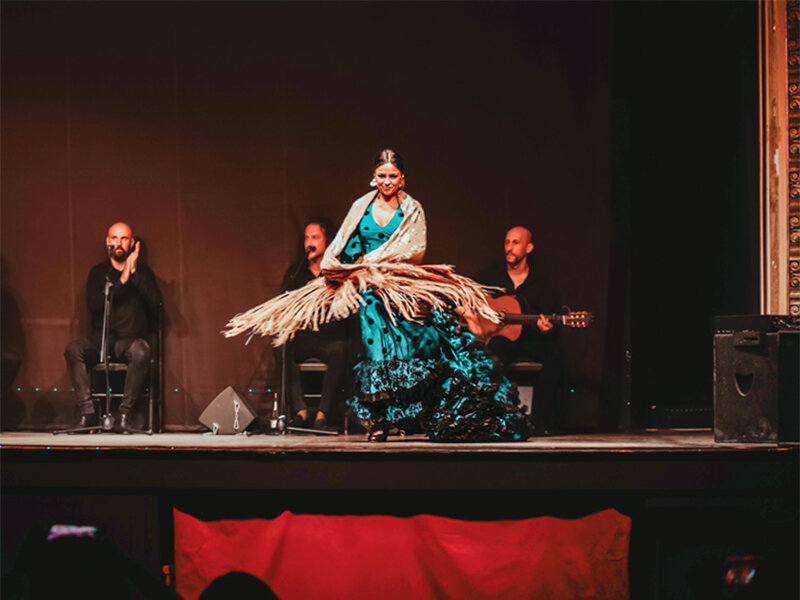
{"points": [[645, 460], [680, 488], [672, 440]]}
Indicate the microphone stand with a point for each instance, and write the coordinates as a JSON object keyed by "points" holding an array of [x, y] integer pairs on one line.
{"points": [[107, 419]]}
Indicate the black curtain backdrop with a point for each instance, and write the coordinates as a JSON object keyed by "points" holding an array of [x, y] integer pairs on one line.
{"points": [[623, 135], [686, 175]]}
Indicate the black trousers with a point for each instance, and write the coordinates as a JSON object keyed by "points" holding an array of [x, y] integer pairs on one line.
{"points": [[543, 351], [84, 353], [333, 351]]}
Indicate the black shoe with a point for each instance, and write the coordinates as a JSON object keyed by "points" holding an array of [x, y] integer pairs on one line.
{"points": [[321, 422], [298, 421], [378, 435], [545, 431], [125, 423], [86, 421]]}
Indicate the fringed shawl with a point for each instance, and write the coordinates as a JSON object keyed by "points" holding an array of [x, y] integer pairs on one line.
{"points": [[405, 288]]}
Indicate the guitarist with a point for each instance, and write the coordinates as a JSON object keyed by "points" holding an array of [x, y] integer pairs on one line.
{"points": [[521, 278]]}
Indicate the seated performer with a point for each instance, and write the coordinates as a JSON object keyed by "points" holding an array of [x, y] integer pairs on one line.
{"points": [[519, 277], [134, 299], [329, 344], [421, 368]]}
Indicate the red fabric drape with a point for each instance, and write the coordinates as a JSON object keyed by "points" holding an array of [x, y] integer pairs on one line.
{"points": [[312, 556]]}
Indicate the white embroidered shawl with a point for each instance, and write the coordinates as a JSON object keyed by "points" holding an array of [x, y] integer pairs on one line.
{"points": [[402, 286]]}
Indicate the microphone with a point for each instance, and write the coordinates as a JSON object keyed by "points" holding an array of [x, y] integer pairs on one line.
{"points": [[300, 264]]}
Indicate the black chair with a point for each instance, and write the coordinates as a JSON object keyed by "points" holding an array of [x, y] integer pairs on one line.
{"points": [[314, 369], [155, 387], [524, 373], [313, 393]]}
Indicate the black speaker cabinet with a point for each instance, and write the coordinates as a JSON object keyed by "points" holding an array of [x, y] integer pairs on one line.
{"points": [[228, 413], [756, 365]]}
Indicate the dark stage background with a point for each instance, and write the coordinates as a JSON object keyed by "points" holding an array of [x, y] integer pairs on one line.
{"points": [[624, 135]]}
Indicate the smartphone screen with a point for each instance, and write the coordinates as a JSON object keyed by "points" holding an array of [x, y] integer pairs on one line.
{"points": [[57, 531]]}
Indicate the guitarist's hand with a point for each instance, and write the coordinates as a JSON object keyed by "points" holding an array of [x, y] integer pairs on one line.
{"points": [[544, 324]]}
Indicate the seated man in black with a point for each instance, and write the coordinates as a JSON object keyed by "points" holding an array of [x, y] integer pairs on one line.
{"points": [[135, 298], [520, 278], [329, 344]]}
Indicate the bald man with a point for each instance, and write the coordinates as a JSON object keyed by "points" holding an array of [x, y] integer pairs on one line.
{"points": [[521, 277], [135, 298]]}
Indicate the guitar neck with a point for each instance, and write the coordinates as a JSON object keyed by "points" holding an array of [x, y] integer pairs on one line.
{"points": [[520, 319]]}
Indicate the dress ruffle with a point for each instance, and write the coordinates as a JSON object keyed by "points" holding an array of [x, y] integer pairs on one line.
{"points": [[457, 396], [472, 413], [382, 378], [396, 392]]}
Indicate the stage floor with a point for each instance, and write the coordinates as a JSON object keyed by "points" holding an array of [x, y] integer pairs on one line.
{"points": [[645, 460], [690, 440], [678, 486]]}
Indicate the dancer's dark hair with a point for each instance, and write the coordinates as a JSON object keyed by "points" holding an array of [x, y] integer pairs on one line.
{"points": [[390, 156]]}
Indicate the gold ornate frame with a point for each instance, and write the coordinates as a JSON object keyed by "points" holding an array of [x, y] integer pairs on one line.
{"points": [[779, 56]]}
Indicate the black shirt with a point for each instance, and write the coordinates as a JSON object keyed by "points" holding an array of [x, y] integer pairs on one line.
{"points": [[299, 275], [133, 305], [535, 295]]}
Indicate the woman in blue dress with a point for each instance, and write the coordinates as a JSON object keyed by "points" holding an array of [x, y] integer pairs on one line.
{"points": [[421, 368]]}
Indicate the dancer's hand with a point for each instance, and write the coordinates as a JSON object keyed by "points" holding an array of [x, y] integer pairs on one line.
{"points": [[471, 319]]}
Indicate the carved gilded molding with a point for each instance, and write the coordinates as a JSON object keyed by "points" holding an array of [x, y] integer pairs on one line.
{"points": [[780, 156], [793, 142]]}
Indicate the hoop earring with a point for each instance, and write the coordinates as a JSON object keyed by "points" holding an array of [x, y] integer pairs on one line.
{"points": [[373, 183]]}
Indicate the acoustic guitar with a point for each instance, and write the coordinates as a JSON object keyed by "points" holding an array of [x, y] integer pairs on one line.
{"points": [[512, 319]]}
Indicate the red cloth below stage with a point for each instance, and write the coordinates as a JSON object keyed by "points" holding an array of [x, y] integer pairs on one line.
{"points": [[312, 556]]}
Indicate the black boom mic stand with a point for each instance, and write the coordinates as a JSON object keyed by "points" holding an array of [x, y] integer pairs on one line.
{"points": [[107, 419], [106, 422]]}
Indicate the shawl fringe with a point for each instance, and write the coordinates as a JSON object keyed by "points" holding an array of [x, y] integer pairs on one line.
{"points": [[405, 289]]}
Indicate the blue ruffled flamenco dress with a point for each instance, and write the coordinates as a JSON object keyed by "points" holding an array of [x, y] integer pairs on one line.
{"points": [[432, 375]]}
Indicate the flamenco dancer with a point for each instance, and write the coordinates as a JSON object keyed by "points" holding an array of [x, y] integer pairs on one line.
{"points": [[421, 368]]}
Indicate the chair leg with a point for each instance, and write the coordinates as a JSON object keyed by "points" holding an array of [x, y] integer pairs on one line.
{"points": [[150, 411], [150, 401]]}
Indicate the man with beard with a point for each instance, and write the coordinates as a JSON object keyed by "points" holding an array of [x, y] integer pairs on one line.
{"points": [[523, 279], [135, 298], [329, 344]]}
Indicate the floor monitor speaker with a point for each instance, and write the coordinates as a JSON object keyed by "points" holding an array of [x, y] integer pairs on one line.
{"points": [[756, 394], [228, 413]]}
